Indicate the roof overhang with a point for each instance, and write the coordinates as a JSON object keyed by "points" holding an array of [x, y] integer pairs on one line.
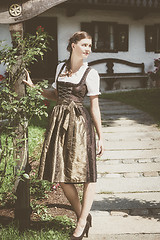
{"points": [[138, 8], [115, 4], [15, 11]]}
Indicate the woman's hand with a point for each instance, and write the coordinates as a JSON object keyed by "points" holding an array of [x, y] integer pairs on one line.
{"points": [[100, 147], [28, 80], [96, 116]]}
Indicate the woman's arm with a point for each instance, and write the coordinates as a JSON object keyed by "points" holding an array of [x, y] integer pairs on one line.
{"points": [[47, 93], [96, 116]]}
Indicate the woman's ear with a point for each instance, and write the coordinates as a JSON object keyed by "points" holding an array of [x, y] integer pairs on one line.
{"points": [[73, 45]]}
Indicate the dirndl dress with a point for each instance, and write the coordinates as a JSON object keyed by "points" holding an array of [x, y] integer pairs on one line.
{"points": [[69, 149]]}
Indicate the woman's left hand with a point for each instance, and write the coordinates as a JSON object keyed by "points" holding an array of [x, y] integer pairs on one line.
{"points": [[100, 146], [28, 81]]}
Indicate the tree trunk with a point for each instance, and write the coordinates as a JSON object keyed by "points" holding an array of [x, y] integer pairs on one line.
{"points": [[22, 206]]}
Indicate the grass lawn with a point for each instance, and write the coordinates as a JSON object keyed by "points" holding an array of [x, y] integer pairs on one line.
{"points": [[147, 100], [55, 230]]}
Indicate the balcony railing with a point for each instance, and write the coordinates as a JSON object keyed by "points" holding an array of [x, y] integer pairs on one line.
{"points": [[120, 3]]}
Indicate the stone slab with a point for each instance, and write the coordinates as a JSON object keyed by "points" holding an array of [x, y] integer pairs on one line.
{"points": [[120, 110], [104, 167], [130, 160], [130, 129], [125, 122], [126, 201], [127, 154], [128, 135], [139, 118], [132, 144], [129, 236], [122, 225], [124, 185]]}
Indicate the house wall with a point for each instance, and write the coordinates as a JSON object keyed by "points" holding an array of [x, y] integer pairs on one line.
{"points": [[136, 52], [68, 25]]}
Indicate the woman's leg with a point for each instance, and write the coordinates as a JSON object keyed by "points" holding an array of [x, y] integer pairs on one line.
{"points": [[88, 195], [71, 194]]}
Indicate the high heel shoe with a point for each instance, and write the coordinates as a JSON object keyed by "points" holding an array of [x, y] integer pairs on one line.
{"points": [[85, 231], [89, 219]]}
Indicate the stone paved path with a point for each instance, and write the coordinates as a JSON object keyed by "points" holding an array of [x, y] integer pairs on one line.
{"points": [[127, 201]]}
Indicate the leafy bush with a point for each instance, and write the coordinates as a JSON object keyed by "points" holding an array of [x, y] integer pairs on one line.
{"points": [[17, 111]]}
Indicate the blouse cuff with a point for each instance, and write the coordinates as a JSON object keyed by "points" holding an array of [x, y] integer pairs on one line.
{"points": [[93, 94]]}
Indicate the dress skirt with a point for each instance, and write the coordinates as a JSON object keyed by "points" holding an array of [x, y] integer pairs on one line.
{"points": [[69, 150]]}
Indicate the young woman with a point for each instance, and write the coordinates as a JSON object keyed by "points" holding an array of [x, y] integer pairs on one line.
{"points": [[69, 150]]}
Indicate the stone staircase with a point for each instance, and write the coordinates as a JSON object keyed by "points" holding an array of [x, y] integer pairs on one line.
{"points": [[128, 187]]}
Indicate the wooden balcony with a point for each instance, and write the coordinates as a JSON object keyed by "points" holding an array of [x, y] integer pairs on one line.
{"points": [[99, 4], [118, 3], [138, 8]]}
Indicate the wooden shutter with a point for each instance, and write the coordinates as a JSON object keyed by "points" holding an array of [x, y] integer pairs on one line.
{"points": [[87, 27], [122, 37], [157, 38], [150, 38]]}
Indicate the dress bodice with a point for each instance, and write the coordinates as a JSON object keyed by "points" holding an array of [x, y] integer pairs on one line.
{"points": [[72, 92]]}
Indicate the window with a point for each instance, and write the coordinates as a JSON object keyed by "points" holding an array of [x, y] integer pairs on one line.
{"points": [[152, 38], [104, 37], [107, 36]]}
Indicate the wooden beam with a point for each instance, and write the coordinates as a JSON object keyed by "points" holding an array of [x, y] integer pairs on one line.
{"points": [[70, 12], [139, 14], [29, 9]]}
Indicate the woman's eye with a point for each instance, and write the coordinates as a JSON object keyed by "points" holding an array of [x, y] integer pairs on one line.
{"points": [[86, 45]]}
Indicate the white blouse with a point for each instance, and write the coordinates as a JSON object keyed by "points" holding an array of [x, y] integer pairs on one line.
{"points": [[92, 79]]}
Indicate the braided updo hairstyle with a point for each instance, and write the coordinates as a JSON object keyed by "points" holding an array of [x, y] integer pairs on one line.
{"points": [[76, 37]]}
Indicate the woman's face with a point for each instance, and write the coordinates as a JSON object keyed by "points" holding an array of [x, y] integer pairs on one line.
{"points": [[82, 48]]}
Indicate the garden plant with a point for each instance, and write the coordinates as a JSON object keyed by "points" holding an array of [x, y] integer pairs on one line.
{"points": [[19, 112]]}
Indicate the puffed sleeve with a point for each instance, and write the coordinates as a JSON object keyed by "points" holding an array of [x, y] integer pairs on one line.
{"points": [[54, 85], [93, 83]]}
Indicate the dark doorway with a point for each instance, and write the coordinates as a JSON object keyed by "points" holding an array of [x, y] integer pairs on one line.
{"points": [[44, 69]]}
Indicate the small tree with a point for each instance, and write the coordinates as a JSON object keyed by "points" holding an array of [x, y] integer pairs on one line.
{"points": [[17, 110]]}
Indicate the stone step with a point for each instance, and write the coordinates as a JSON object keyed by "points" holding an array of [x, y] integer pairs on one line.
{"points": [[121, 112], [104, 224], [131, 129], [141, 203], [125, 122], [108, 102], [130, 161], [127, 154], [130, 135], [139, 118], [133, 145], [111, 137], [130, 185], [114, 106], [104, 167], [126, 236]]}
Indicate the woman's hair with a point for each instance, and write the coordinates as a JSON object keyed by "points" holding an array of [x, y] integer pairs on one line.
{"points": [[76, 37]]}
